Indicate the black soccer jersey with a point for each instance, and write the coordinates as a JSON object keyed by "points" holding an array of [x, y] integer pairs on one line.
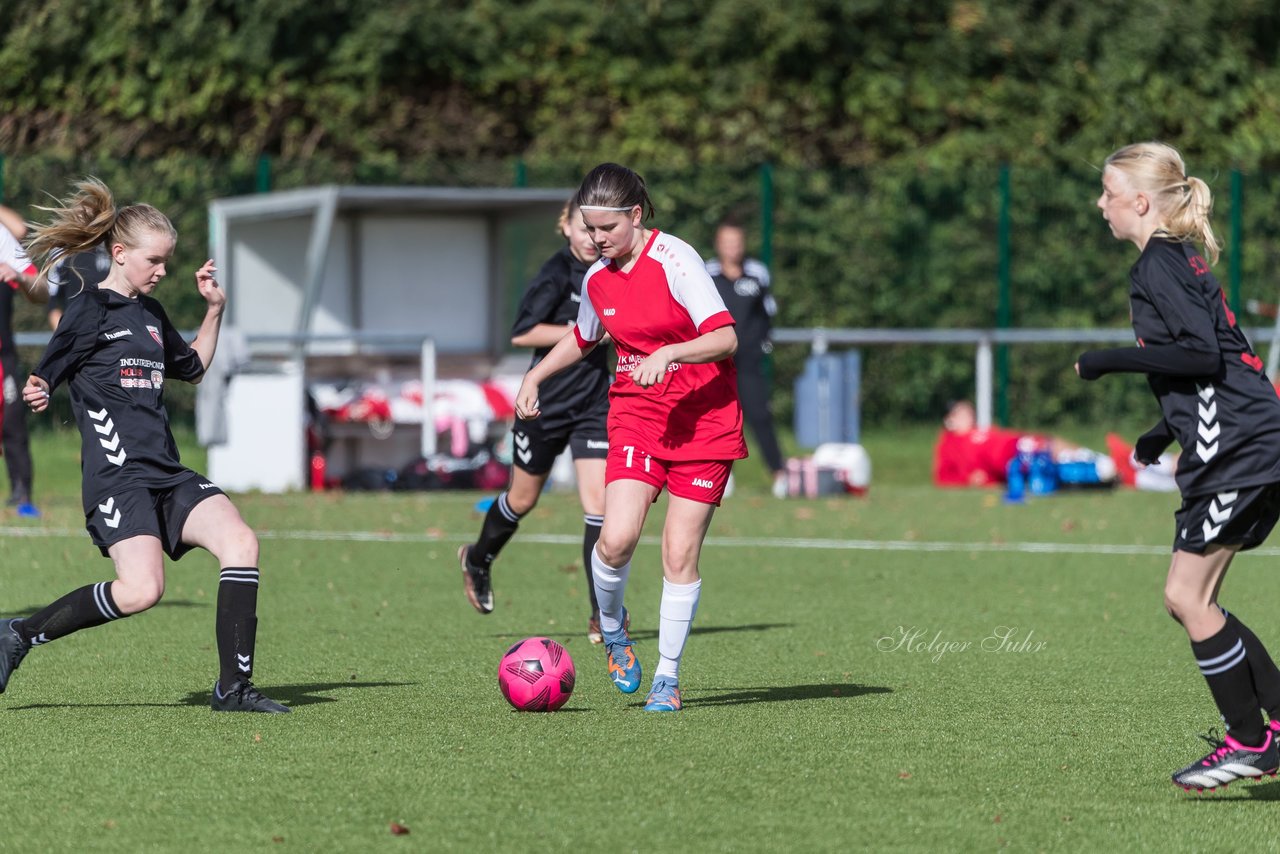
{"points": [[1225, 413], [751, 304], [553, 296], [116, 354], [8, 293]]}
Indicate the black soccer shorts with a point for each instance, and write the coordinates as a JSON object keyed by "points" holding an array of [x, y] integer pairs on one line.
{"points": [[534, 448], [1241, 517], [159, 512]]}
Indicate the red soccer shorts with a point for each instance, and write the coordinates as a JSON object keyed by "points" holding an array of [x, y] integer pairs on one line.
{"points": [[703, 481]]}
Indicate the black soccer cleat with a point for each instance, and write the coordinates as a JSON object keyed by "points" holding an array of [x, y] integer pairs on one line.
{"points": [[475, 581], [1230, 761], [13, 648], [243, 697]]}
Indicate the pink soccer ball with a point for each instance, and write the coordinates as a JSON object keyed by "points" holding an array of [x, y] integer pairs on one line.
{"points": [[536, 675]]}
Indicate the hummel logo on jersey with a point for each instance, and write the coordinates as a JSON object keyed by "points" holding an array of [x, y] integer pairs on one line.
{"points": [[575, 297], [610, 312], [206, 486], [703, 482], [1208, 428], [111, 443], [120, 333], [593, 445]]}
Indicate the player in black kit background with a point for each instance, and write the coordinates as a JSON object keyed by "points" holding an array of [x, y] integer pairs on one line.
{"points": [[1217, 404], [574, 408], [744, 286], [17, 276], [115, 349]]}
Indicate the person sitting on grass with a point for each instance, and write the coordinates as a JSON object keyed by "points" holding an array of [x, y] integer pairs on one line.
{"points": [[967, 455]]}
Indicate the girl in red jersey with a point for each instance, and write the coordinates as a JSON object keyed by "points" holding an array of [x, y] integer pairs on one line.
{"points": [[1222, 410], [674, 417]]}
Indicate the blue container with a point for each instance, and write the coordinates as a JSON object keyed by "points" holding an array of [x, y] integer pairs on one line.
{"points": [[1016, 490], [852, 431], [1078, 473], [828, 405], [1042, 477]]}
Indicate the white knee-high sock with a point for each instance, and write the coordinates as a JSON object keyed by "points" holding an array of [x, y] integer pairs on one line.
{"points": [[611, 584], [679, 604]]}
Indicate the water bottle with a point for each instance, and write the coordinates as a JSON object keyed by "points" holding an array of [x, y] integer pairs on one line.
{"points": [[1015, 492], [1041, 479]]}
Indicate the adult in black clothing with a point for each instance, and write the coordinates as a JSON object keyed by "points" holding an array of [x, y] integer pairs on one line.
{"points": [[114, 349], [17, 273], [1222, 410], [575, 405], [743, 284]]}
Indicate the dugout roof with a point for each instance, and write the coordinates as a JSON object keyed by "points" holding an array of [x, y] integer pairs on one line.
{"points": [[324, 267]]}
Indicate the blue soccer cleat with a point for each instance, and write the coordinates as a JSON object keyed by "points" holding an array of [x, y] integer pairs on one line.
{"points": [[664, 696], [624, 668]]}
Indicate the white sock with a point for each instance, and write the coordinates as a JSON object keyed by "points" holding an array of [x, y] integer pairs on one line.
{"points": [[611, 584], [675, 619]]}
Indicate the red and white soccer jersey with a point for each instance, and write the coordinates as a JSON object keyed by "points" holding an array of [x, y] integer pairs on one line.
{"points": [[666, 298], [12, 253]]}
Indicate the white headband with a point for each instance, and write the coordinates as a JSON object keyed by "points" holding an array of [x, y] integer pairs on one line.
{"points": [[605, 208]]}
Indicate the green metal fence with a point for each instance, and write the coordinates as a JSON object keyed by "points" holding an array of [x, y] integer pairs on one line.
{"points": [[901, 247]]}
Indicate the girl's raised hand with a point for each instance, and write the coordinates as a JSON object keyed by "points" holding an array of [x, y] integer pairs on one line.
{"points": [[208, 285]]}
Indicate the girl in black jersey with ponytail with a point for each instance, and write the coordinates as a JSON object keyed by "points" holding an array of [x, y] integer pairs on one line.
{"points": [[115, 349], [574, 407], [1217, 404]]}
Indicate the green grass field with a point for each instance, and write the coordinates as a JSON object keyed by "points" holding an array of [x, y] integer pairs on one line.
{"points": [[917, 670]]}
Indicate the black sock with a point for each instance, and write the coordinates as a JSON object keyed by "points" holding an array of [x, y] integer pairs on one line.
{"points": [[500, 524], [237, 624], [590, 535], [1266, 676], [80, 609], [1224, 664]]}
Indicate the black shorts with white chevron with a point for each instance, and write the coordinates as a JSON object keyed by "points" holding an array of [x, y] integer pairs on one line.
{"points": [[535, 448], [138, 511], [1241, 517]]}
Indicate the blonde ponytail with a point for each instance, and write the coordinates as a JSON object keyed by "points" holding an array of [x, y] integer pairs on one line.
{"points": [[88, 217], [1184, 203]]}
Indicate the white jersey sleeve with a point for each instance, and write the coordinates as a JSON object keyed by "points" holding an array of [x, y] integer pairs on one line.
{"points": [[12, 253], [756, 270], [687, 277], [589, 327]]}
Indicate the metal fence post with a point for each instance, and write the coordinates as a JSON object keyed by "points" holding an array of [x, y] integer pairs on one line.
{"points": [[263, 183], [982, 373]]}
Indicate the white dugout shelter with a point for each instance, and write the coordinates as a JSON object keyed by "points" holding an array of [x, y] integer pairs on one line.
{"points": [[359, 282]]}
